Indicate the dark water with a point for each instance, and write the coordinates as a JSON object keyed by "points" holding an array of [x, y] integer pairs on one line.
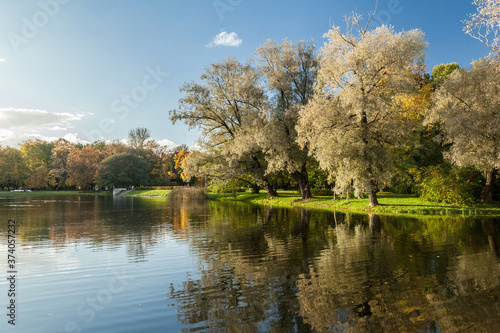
{"points": [[101, 264]]}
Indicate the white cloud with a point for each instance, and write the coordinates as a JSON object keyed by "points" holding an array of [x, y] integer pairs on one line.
{"points": [[3, 60], [71, 137], [164, 142], [19, 119], [58, 128], [226, 39], [167, 143], [18, 124]]}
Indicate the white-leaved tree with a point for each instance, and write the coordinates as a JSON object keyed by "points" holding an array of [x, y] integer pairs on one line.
{"points": [[227, 104], [484, 25], [353, 122], [290, 72], [467, 106]]}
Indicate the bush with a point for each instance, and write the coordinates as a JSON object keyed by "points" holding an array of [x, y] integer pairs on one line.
{"points": [[451, 185], [188, 192], [229, 186], [154, 188], [321, 192], [403, 183]]}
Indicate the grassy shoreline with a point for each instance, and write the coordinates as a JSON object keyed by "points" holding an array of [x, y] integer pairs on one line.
{"points": [[390, 204], [148, 193]]}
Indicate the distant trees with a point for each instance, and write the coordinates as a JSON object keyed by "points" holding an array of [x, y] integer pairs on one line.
{"points": [[82, 166], [37, 158], [467, 108], [13, 170], [59, 156], [122, 170], [137, 137], [180, 163], [354, 121], [63, 165]]}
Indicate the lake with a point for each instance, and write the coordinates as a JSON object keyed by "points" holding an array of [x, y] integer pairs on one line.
{"points": [[124, 264]]}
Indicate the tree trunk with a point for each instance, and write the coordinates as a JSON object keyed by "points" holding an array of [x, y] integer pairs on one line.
{"points": [[372, 196], [271, 192], [255, 189], [302, 179], [487, 193]]}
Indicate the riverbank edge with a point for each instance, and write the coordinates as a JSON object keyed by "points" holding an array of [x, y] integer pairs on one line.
{"points": [[390, 205], [62, 192]]}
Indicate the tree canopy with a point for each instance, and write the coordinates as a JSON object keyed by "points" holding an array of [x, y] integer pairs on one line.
{"points": [[122, 170], [354, 119], [467, 108]]}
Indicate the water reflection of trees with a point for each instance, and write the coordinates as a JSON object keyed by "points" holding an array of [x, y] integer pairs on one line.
{"points": [[137, 223], [268, 269]]}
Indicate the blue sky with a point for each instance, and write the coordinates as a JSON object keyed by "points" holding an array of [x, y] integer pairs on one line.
{"points": [[94, 69]]}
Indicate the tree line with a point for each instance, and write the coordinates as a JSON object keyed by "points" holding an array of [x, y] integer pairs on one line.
{"points": [[360, 115], [61, 164]]}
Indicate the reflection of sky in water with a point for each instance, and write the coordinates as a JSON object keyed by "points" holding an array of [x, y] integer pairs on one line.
{"points": [[150, 264]]}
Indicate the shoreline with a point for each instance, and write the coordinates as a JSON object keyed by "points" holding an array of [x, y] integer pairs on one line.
{"points": [[390, 204]]}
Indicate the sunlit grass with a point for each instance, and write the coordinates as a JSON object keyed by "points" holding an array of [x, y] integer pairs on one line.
{"points": [[149, 193], [389, 204]]}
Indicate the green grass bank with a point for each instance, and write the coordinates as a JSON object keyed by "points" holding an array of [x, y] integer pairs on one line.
{"points": [[148, 193], [390, 204]]}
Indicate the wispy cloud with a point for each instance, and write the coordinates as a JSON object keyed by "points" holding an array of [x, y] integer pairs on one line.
{"points": [[59, 128], [18, 124], [226, 39], [3, 60], [19, 118], [166, 142], [71, 137], [163, 142]]}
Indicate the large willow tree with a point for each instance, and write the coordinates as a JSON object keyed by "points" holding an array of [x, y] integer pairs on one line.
{"points": [[290, 72], [354, 120], [467, 106], [227, 105]]}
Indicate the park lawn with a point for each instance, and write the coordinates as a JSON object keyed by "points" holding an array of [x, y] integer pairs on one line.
{"points": [[389, 204], [34, 193], [148, 193]]}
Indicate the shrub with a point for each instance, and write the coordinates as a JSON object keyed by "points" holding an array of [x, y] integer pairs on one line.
{"points": [[321, 192], [403, 183], [451, 185], [188, 192], [229, 186], [154, 188]]}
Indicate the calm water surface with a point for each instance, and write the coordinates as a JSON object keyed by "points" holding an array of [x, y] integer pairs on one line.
{"points": [[102, 264]]}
